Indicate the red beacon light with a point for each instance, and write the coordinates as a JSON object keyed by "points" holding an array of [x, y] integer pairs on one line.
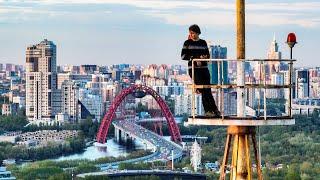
{"points": [[291, 40]]}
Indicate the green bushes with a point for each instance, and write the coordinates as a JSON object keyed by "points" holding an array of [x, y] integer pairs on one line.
{"points": [[73, 145]]}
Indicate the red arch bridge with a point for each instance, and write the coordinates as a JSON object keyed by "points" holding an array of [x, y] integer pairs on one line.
{"points": [[108, 117]]}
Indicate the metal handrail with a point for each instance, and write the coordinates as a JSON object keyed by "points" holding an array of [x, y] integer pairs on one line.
{"points": [[232, 86], [221, 86], [247, 60]]}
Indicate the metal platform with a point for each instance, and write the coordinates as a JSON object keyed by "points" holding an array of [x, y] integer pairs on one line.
{"points": [[239, 84], [240, 121], [233, 86]]}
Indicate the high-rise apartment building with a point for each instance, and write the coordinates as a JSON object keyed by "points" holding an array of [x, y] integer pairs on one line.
{"points": [[69, 100], [276, 79], [41, 77], [218, 52], [314, 82], [183, 104], [302, 83]]}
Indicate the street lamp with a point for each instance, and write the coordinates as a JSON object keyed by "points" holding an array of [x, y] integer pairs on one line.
{"points": [[291, 41]]}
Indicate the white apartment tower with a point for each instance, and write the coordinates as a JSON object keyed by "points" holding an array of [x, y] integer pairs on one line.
{"points": [[41, 77]]}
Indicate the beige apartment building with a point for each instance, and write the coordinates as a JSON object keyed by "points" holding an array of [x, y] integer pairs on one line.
{"points": [[41, 78]]}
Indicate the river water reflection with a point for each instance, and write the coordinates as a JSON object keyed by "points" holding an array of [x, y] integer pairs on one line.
{"points": [[113, 150]]}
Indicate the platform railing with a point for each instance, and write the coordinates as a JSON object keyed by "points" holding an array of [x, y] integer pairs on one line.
{"points": [[261, 84]]}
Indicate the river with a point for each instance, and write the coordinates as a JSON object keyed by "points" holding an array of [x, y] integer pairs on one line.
{"points": [[92, 152]]}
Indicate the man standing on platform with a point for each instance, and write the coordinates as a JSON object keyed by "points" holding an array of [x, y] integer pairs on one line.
{"points": [[196, 48]]}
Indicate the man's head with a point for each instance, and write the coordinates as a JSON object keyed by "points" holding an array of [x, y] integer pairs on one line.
{"points": [[194, 32]]}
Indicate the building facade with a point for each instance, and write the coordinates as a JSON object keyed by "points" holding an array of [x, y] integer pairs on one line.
{"points": [[41, 77], [92, 102], [302, 83], [183, 104], [218, 52], [69, 100]]}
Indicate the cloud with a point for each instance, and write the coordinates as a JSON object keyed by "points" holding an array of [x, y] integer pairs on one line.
{"points": [[204, 4], [221, 18], [149, 4], [178, 12], [294, 6]]}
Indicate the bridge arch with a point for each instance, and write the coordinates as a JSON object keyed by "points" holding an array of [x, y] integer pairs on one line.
{"points": [[108, 117]]}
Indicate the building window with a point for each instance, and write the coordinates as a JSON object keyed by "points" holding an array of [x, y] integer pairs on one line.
{"points": [[49, 64], [49, 81]]}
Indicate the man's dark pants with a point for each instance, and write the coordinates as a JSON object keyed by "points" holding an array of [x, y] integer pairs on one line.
{"points": [[202, 77]]}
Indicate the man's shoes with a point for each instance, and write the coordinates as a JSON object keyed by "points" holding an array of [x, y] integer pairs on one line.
{"points": [[209, 114], [217, 113]]}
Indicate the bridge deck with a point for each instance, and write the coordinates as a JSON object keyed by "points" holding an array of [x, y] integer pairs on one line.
{"points": [[240, 121], [163, 147]]}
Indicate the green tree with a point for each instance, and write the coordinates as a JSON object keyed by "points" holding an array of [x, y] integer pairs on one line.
{"points": [[89, 127], [85, 168], [315, 113], [12, 123], [306, 167], [60, 176], [96, 177], [38, 172], [293, 173]]}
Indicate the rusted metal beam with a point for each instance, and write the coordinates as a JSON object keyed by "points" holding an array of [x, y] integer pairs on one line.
{"points": [[234, 157], [225, 158], [257, 157], [247, 148]]}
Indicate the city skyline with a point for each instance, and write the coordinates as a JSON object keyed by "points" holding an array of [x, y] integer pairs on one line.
{"points": [[107, 88], [111, 30]]}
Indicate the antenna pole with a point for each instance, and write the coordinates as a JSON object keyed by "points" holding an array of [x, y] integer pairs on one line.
{"points": [[240, 160]]}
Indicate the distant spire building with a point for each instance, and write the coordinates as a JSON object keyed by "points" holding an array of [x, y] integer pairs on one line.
{"points": [[273, 53], [274, 76], [41, 82]]}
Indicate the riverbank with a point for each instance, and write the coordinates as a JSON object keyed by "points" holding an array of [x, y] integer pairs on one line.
{"points": [[64, 169], [51, 150]]}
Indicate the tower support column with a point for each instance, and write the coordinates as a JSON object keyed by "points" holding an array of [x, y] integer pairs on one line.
{"points": [[241, 166]]}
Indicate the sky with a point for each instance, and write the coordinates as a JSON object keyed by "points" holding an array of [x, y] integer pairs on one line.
{"points": [[106, 32]]}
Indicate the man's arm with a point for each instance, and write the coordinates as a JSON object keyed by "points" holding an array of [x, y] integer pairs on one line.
{"points": [[206, 51], [185, 54]]}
